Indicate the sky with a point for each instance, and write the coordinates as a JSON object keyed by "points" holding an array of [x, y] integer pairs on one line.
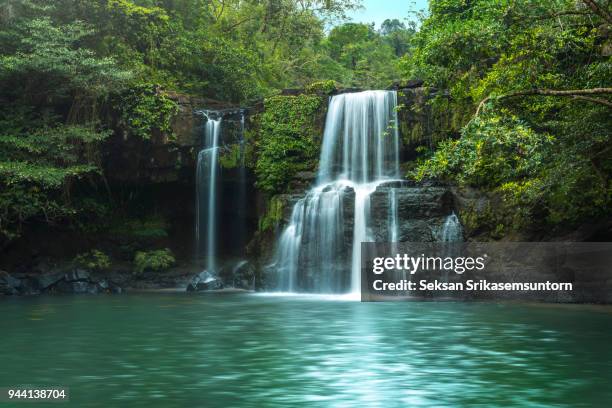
{"points": [[378, 11]]}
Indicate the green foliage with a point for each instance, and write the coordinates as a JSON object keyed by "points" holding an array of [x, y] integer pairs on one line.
{"points": [[273, 216], [231, 157], [531, 171], [146, 107], [157, 260], [548, 157], [51, 86], [288, 140], [492, 150], [369, 57], [38, 167], [142, 230], [93, 260], [70, 70], [48, 57], [322, 87]]}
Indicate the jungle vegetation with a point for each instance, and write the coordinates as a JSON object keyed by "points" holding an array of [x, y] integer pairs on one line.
{"points": [[531, 83], [528, 79]]}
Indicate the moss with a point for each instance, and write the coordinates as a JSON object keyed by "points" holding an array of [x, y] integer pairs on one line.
{"points": [[146, 107], [230, 158], [416, 133], [489, 221], [273, 216], [288, 139]]}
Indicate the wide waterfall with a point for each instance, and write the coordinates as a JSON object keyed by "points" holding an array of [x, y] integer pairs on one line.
{"points": [[206, 192], [360, 150]]}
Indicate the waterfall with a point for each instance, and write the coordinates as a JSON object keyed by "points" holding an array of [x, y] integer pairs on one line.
{"points": [[241, 196], [206, 189], [452, 230], [393, 220], [360, 150]]}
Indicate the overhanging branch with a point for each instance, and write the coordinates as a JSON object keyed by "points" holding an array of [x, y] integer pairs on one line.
{"points": [[575, 93]]}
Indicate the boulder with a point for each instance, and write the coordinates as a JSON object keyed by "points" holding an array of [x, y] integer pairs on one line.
{"points": [[8, 284], [47, 280], [77, 275], [421, 212], [204, 281], [77, 287], [243, 276], [107, 286]]}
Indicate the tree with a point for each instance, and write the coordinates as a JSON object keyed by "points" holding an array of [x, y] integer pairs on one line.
{"points": [[540, 70], [49, 126], [362, 51]]}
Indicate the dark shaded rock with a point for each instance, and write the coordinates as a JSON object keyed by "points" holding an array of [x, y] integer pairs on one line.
{"points": [[78, 281], [107, 286], [302, 181], [77, 275], [77, 287], [305, 176], [421, 212], [204, 281], [8, 284], [411, 83], [347, 90], [225, 273], [45, 281], [243, 275], [41, 267]]}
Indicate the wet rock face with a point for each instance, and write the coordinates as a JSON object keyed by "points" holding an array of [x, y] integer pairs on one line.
{"points": [[168, 158], [243, 276], [78, 281], [9, 285], [421, 212], [313, 261], [204, 281]]}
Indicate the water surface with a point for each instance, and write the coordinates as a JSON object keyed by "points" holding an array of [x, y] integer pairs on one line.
{"points": [[178, 350]]}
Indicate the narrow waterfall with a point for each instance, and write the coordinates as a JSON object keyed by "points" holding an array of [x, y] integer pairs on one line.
{"points": [[241, 191], [393, 220], [360, 150], [206, 189], [452, 230]]}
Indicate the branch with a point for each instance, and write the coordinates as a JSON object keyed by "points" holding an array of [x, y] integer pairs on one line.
{"points": [[597, 9], [231, 27], [594, 100], [576, 93], [562, 13]]}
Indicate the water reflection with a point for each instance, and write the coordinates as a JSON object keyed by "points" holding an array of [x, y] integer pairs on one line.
{"points": [[174, 350]]}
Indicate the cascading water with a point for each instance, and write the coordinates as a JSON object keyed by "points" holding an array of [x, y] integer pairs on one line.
{"points": [[360, 150], [241, 197], [206, 189], [393, 219], [452, 230]]}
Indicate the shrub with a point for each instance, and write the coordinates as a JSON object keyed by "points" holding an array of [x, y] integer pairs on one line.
{"points": [[93, 260], [321, 87], [145, 107], [157, 260]]}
